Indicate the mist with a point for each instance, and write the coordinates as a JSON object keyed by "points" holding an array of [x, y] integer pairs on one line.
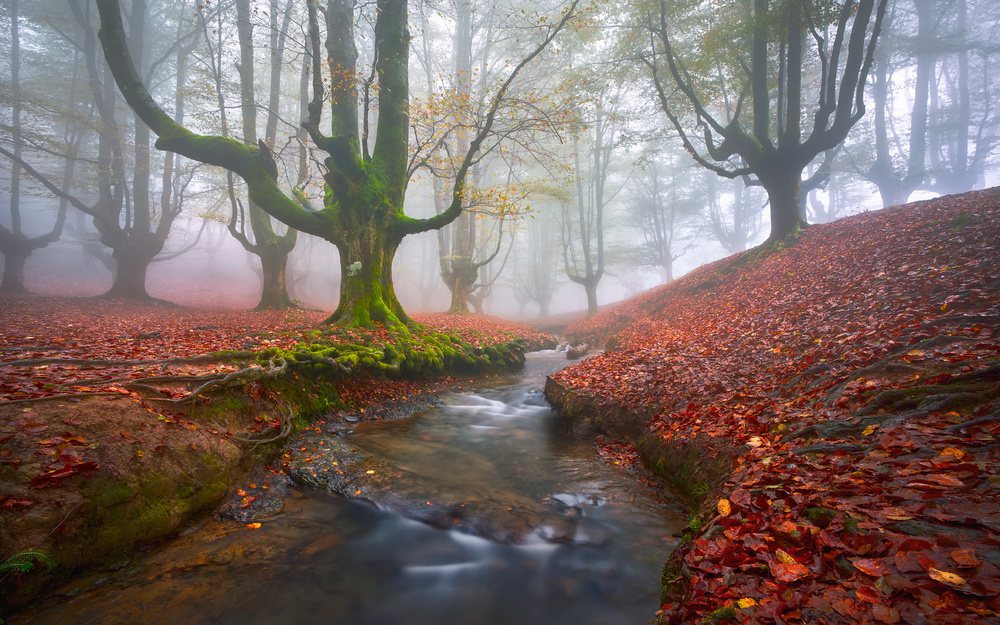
{"points": [[581, 191]]}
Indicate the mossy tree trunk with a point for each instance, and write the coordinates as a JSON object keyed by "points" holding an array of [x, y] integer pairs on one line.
{"points": [[362, 210]]}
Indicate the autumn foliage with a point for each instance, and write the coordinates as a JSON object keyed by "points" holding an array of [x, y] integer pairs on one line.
{"points": [[855, 374]]}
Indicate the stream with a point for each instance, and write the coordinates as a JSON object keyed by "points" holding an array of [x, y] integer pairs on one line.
{"points": [[568, 539]]}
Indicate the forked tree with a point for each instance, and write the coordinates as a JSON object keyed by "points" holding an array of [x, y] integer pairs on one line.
{"points": [[738, 94], [362, 211]]}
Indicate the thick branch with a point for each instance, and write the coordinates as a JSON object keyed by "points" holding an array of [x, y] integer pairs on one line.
{"points": [[213, 150]]}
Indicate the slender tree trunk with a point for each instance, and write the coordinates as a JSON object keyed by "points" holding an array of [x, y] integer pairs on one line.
{"points": [[590, 286]]}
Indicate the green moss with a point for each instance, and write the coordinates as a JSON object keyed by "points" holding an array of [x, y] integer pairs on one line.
{"points": [[722, 614], [960, 221], [820, 517]]}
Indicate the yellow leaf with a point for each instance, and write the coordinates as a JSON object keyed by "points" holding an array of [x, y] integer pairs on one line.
{"points": [[140, 453], [253, 526], [724, 507], [370, 472], [746, 602], [869, 430], [785, 557], [945, 577]]}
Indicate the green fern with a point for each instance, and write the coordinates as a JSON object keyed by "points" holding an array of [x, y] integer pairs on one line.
{"points": [[23, 561]]}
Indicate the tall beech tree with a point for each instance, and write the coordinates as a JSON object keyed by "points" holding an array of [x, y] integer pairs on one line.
{"points": [[758, 53], [362, 210]]}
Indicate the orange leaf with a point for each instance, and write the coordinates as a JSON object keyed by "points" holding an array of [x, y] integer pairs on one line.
{"points": [[965, 557], [253, 526], [724, 507], [945, 577], [872, 567]]}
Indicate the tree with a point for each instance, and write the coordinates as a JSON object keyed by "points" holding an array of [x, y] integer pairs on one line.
{"points": [[896, 183], [15, 244], [964, 124], [582, 224], [734, 223], [763, 58], [271, 248], [362, 210], [661, 201]]}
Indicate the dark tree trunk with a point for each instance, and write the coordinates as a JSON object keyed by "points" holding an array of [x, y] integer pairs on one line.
{"points": [[782, 186], [14, 258], [130, 275], [274, 287], [590, 286]]}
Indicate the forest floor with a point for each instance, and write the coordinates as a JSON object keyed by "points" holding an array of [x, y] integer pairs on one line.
{"points": [[831, 411], [121, 423]]}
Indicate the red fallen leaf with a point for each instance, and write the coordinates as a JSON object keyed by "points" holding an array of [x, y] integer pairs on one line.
{"points": [[937, 478], [915, 544], [70, 421], [965, 557], [845, 606], [16, 504], [32, 427], [885, 614], [45, 481], [869, 594], [785, 572], [875, 568], [6, 438], [907, 562]]}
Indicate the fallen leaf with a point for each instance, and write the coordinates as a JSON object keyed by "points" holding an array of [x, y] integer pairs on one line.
{"points": [[872, 567], [951, 579], [724, 507], [965, 557]]}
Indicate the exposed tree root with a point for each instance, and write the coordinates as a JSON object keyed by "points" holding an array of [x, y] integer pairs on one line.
{"points": [[284, 431], [64, 396]]}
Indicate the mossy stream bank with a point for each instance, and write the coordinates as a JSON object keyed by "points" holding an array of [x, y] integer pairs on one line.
{"points": [[137, 469]]}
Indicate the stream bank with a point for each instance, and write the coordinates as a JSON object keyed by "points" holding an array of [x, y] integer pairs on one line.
{"points": [[93, 476], [568, 539]]}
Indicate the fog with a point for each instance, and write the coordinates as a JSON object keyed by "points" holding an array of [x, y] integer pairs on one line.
{"points": [[583, 190]]}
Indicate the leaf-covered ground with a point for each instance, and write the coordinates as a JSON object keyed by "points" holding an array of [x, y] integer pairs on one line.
{"points": [[857, 374], [54, 346]]}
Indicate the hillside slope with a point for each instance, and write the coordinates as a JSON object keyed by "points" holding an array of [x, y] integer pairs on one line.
{"points": [[830, 409]]}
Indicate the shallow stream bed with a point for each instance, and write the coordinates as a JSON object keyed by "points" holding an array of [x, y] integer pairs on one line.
{"points": [[539, 530]]}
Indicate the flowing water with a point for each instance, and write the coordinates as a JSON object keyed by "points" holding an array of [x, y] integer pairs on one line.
{"points": [[590, 546]]}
